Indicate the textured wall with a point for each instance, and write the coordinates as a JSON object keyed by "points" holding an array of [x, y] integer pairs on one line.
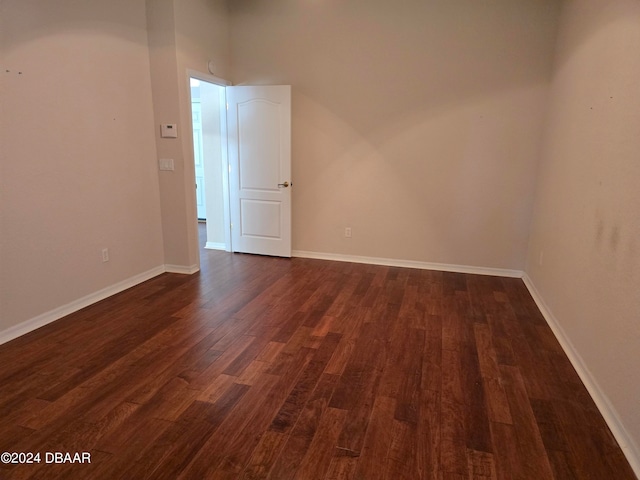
{"points": [[78, 154], [416, 124], [586, 219]]}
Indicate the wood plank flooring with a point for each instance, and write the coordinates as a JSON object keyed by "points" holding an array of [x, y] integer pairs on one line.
{"points": [[304, 369]]}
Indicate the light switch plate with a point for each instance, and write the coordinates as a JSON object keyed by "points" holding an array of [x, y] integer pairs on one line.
{"points": [[166, 164]]}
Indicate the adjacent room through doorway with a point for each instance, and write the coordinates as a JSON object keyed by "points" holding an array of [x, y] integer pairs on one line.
{"points": [[208, 113]]}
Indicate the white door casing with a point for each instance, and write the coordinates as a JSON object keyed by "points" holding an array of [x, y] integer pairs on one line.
{"points": [[259, 133]]}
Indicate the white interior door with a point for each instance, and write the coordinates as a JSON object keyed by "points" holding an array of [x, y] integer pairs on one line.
{"points": [[259, 133]]}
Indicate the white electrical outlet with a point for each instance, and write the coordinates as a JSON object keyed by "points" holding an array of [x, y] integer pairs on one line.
{"points": [[347, 232], [105, 255]]}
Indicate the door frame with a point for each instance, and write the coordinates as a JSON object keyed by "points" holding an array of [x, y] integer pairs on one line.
{"points": [[205, 77]]}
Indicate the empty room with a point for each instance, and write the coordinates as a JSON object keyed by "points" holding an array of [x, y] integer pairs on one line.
{"points": [[420, 257]]}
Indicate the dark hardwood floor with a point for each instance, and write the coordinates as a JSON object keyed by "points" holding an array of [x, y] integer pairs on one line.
{"points": [[262, 367]]}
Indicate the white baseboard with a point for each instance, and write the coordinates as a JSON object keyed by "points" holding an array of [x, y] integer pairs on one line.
{"points": [[392, 262], [183, 269], [215, 246], [626, 442], [57, 313]]}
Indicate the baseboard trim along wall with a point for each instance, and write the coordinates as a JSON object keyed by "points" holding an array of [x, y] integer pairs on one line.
{"points": [[626, 442], [185, 270], [57, 313], [392, 262], [215, 246]]}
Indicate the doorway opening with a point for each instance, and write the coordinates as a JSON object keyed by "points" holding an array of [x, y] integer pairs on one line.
{"points": [[208, 116]]}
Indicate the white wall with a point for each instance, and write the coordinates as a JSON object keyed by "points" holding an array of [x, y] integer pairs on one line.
{"points": [[78, 154], [416, 124], [587, 213], [182, 35], [79, 171], [165, 86], [202, 35]]}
